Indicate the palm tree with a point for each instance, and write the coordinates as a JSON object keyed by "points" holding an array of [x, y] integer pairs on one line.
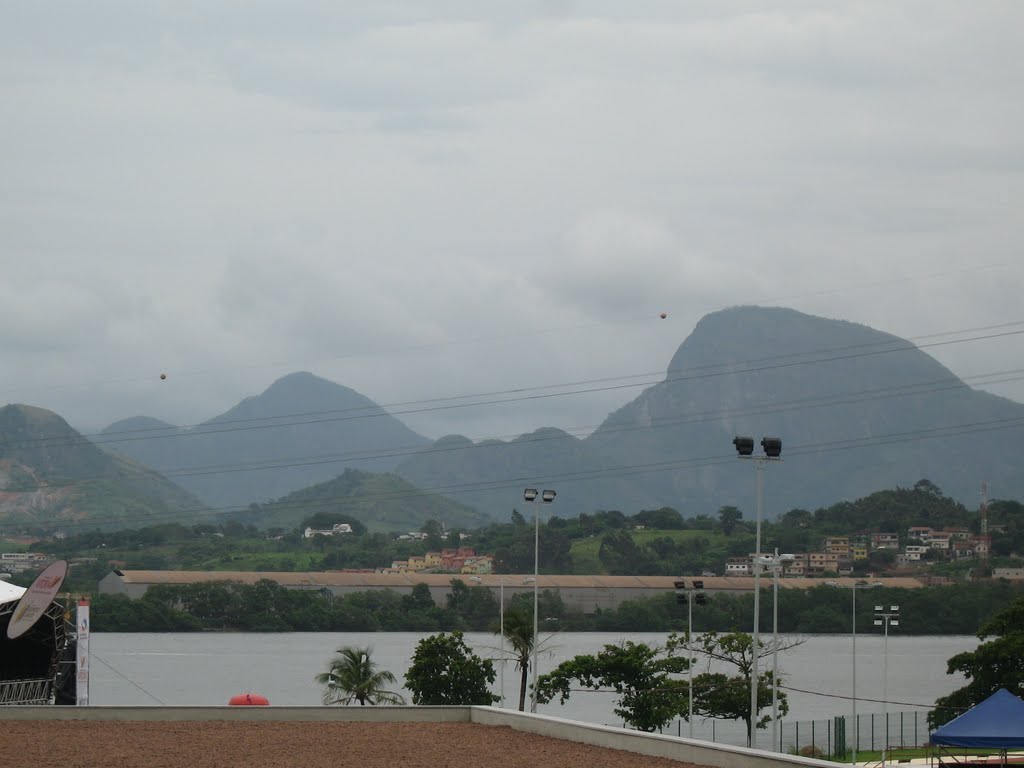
{"points": [[519, 633], [353, 676]]}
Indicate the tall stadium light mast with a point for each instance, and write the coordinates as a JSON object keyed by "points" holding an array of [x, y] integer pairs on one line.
{"points": [[530, 497], [886, 618], [772, 447]]}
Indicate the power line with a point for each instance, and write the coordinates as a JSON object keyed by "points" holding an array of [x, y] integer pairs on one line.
{"points": [[525, 394], [938, 385], [583, 475]]}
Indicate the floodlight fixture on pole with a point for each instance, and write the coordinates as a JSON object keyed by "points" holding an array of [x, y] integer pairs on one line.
{"points": [[772, 447], [887, 618], [690, 595], [530, 496]]}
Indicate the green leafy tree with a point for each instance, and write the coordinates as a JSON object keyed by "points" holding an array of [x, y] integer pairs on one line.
{"points": [[435, 533], [354, 676], [643, 676], [619, 554], [997, 663], [476, 606], [727, 697], [445, 671], [728, 519]]}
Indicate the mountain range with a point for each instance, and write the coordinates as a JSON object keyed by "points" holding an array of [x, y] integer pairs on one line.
{"points": [[857, 410], [51, 475]]}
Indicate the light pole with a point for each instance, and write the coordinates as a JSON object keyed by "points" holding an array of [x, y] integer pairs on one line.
{"points": [[853, 635], [690, 595], [886, 619], [530, 497], [775, 565], [772, 447]]}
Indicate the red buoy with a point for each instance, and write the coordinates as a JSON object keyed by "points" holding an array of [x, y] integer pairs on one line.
{"points": [[248, 700]]}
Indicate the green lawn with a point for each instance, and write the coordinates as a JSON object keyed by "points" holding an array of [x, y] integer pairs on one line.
{"points": [[584, 551]]}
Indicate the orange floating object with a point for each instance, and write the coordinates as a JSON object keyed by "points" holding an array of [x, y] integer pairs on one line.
{"points": [[248, 700]]}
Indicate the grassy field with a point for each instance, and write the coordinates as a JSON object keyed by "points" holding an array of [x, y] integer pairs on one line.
{"points": [[911, 753], [584, 551]]}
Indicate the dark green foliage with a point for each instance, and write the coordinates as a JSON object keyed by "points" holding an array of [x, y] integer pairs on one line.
{"points": [[353, 676], [445, 671], [119, 613], [727, 697], [996, 663], [646, 679], [728, 519], [619, 554], [665, 519]]}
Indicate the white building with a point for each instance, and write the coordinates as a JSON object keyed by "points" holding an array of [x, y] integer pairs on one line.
{"points": [[337, 528]]}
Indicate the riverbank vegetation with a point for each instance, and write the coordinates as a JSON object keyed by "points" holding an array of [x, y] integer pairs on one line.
{"points": [[268, 607]]}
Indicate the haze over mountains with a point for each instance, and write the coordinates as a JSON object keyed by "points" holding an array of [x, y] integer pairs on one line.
{"points": [[301, 431], [50, 474], [857, 410]]}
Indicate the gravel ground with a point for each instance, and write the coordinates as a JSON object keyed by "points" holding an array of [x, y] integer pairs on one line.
{"points": [[87, 744]]}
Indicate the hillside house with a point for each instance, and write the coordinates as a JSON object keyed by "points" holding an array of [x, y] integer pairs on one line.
{"points": [[338, 529]]}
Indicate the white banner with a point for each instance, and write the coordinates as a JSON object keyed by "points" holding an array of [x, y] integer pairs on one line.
{"points": [[82, 657], [37, 599]]}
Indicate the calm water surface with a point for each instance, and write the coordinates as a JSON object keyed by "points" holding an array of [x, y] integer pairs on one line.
{"points": [[208, 668]]}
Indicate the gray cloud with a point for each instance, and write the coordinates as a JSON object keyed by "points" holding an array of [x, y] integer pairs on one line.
{"points": [[424, 200]]}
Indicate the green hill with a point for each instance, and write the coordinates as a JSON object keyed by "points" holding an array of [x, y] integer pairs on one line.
{"points": [[51, 477], [383, 502], [856, 409], [302, 430]]}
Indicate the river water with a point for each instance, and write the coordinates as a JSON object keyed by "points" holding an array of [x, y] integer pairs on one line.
{"points": [[208, 668]]}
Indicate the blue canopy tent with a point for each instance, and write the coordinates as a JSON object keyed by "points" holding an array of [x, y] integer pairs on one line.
{"points": [[995, 723]]}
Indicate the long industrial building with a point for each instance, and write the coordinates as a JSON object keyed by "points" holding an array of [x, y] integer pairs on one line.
{"points": [[582, 593]]}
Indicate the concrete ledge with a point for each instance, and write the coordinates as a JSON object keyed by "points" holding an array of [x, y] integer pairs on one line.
{"points": [[653, 744], [656, 745]]}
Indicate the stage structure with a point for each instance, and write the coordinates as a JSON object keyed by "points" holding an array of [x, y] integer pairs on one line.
{"points": [[38, 665]]}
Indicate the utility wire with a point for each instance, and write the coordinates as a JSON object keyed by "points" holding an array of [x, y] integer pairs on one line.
{"points": [[125, 677], [586, 386], [590, 474], [948, 384]]}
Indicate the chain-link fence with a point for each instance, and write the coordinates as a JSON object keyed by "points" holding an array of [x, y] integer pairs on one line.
{"points": [[833, 737], [871, 733]]}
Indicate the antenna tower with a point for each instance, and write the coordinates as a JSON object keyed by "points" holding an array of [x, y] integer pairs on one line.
{"points": [[984, 515]]}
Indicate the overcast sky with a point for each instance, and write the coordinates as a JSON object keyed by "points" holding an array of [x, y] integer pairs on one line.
{"points": [[429, 199]]}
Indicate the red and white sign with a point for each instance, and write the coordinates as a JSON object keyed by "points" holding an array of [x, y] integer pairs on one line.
{"points": [[37, 599], [82, 657]]}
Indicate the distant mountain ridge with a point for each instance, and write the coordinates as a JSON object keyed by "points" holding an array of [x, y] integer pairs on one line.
{"points": [[301, 431], [857, 410], [52, 476]]}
